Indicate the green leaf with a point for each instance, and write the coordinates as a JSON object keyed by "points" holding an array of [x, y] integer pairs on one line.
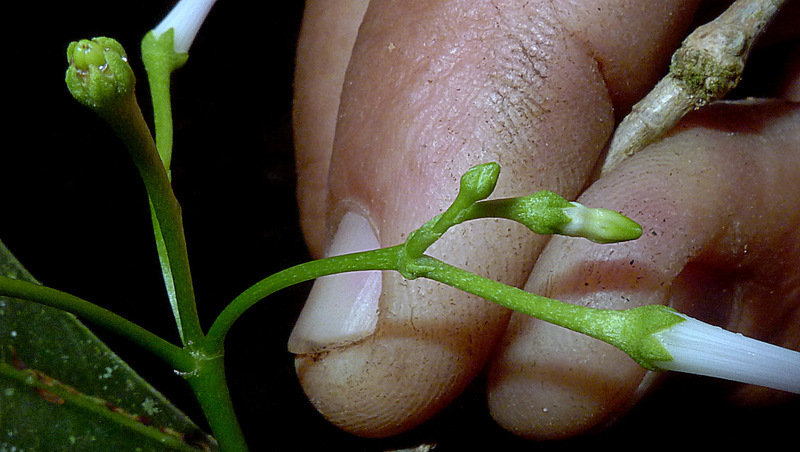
{"points": [[61, 388]]}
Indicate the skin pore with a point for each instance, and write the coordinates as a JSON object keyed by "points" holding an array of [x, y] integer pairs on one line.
{"points": [[394, 100]]}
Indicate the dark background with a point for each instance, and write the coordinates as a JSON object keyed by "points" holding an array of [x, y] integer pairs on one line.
{"points": [[74, 212]]}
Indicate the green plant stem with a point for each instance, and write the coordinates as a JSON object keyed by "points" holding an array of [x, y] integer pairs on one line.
{"points": [[130, 125], [175, 356], [159, 69], [630, 330], [380, 259], [166, 272], [211, 390], [160, 60]]}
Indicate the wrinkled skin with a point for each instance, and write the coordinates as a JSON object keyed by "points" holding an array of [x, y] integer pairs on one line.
{"points": [[394, 100]]}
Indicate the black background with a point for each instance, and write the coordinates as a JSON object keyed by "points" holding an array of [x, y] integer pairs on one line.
{"points": [[74, 212]]}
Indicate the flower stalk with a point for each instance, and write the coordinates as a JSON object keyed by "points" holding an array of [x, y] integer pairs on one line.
{"points": [[100, 77], [164, 50]]}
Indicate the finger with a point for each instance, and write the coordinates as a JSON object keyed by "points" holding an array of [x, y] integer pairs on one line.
{"points": [[431, 90], [323, 51], [717, 202]]}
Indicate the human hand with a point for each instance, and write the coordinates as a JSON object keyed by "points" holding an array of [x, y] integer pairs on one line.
{"points": [[433, 88]]}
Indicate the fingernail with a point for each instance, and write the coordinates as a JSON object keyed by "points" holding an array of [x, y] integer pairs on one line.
{"points": [[342, 308]]}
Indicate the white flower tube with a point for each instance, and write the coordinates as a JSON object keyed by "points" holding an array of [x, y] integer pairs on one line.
{"points": [[703, 349], [186, 18]]}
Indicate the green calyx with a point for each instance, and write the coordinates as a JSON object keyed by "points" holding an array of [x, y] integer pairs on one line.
{"points": [[636, 334], [99, 75], [158, 53], [479, 182]]}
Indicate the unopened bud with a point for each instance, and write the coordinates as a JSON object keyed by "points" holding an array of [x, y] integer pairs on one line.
{"points": [[99, 75], [479, 181], [599, 225]]}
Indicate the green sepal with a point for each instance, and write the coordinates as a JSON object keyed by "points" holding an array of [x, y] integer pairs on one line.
{"points": [[636, 334], [99, 75], [158, 54]]}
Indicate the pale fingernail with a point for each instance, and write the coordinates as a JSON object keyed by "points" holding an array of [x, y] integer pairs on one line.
{"points": [[342, 308]]}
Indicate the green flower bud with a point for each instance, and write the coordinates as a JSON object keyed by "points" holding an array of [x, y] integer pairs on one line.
{"points": [[599, 225], [99, 75], [479, 181]]}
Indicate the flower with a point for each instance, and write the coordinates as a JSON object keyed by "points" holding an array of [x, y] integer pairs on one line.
{"points": [[185, 19], [703, 349]]}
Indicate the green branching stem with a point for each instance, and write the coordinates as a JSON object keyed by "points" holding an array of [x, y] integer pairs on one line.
{"points": [[130, 125], [629, 330], [175, 356], [381, 259], [209, 380], [160, 61], [211, 390]]}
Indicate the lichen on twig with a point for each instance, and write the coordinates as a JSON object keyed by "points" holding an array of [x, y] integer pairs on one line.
{"points": [[705, 68]]}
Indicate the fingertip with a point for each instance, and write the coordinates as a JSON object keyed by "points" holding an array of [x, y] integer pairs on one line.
{"points": [[709, 208], [419, 359], [378, 388], [548, 382]]}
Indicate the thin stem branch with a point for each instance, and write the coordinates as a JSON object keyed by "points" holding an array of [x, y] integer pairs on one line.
{"points": [[175, 356], [380, 259], [129, 124], [160, 60], [629, 330]]}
